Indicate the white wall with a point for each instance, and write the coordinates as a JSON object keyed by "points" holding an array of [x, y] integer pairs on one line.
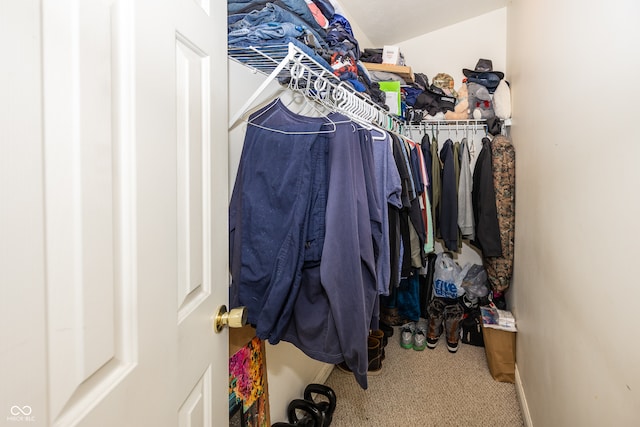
{"points": [[288, 369], [459, 46], [572, 67]]}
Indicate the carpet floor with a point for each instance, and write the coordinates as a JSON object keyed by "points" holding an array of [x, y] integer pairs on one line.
{"points": [[426, 388]]}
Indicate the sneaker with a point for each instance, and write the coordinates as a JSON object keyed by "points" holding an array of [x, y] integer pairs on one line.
{"points": [[420, 336], [406, 334], [452, 346]]}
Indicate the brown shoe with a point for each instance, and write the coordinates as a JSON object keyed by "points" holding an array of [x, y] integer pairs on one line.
{"points": [[374, 352], [379, 335]]}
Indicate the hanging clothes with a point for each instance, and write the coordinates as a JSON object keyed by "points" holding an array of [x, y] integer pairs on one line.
{"points": [[436, 184], [500, 268], [375, 209], [389, 192], [483, 196], [417, 225], [449, 201], [465, 183], [408, 194], [425, 203], [268, 247], [336, 311], [409, 298], [456, 169], [425, 146], [303, 233]]}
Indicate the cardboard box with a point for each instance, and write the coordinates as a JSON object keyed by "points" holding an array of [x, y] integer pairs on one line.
{"points": [[401, 70]]}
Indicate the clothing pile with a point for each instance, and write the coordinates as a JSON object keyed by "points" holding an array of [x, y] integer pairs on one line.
{"points": [[479, 97], [317, 27]]}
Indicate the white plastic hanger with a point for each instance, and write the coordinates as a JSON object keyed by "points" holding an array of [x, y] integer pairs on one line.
{"points": [[297, 72]]}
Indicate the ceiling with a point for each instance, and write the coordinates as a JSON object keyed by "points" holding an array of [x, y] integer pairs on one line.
{"points": [[387, 22]]}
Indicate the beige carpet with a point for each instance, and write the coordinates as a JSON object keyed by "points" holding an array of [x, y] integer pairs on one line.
{"points": [[426, 388]]}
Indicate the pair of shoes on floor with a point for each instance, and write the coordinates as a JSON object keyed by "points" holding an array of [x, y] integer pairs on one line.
{"points": [[432, 342], [414, 335], [376, 342], [444, 317], [452, 346]]}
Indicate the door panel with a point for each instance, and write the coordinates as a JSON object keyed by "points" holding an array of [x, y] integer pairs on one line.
{"points": [[132, 188], [89, 286], [193, 142], [196, 410]]}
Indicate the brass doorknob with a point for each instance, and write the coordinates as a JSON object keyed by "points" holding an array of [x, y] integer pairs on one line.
{"points": [[236, 318]]}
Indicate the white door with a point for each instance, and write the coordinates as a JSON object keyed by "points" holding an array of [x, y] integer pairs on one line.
{"points": [[114, 222]]}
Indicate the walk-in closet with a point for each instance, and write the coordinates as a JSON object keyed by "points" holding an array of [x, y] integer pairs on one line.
{"points": [[446, 48]]}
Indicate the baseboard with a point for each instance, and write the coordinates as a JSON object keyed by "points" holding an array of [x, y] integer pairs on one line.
{"points": [[524, 407], [323, 374]]}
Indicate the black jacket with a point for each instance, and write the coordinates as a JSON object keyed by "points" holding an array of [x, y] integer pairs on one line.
{"points": [[483, 198]]}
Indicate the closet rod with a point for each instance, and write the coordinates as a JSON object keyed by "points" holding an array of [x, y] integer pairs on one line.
{"points": [[448, 123], [454, 123]]}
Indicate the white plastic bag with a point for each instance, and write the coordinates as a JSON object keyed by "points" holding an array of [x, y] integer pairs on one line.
{"points": [[447, 277], [475, 282]]}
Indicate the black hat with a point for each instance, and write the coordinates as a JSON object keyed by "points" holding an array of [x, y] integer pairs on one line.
{"points": [[483, 66]]}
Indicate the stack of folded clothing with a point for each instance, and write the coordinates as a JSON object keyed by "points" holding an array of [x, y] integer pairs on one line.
{"points": [[317, 27]]}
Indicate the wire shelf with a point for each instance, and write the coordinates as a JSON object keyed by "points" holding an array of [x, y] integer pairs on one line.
{"points": [[266, 58], [288, 62]]}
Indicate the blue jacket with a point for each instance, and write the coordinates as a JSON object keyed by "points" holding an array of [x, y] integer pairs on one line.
{"points": [[334, 310], [276, 214], [304, 226]]}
